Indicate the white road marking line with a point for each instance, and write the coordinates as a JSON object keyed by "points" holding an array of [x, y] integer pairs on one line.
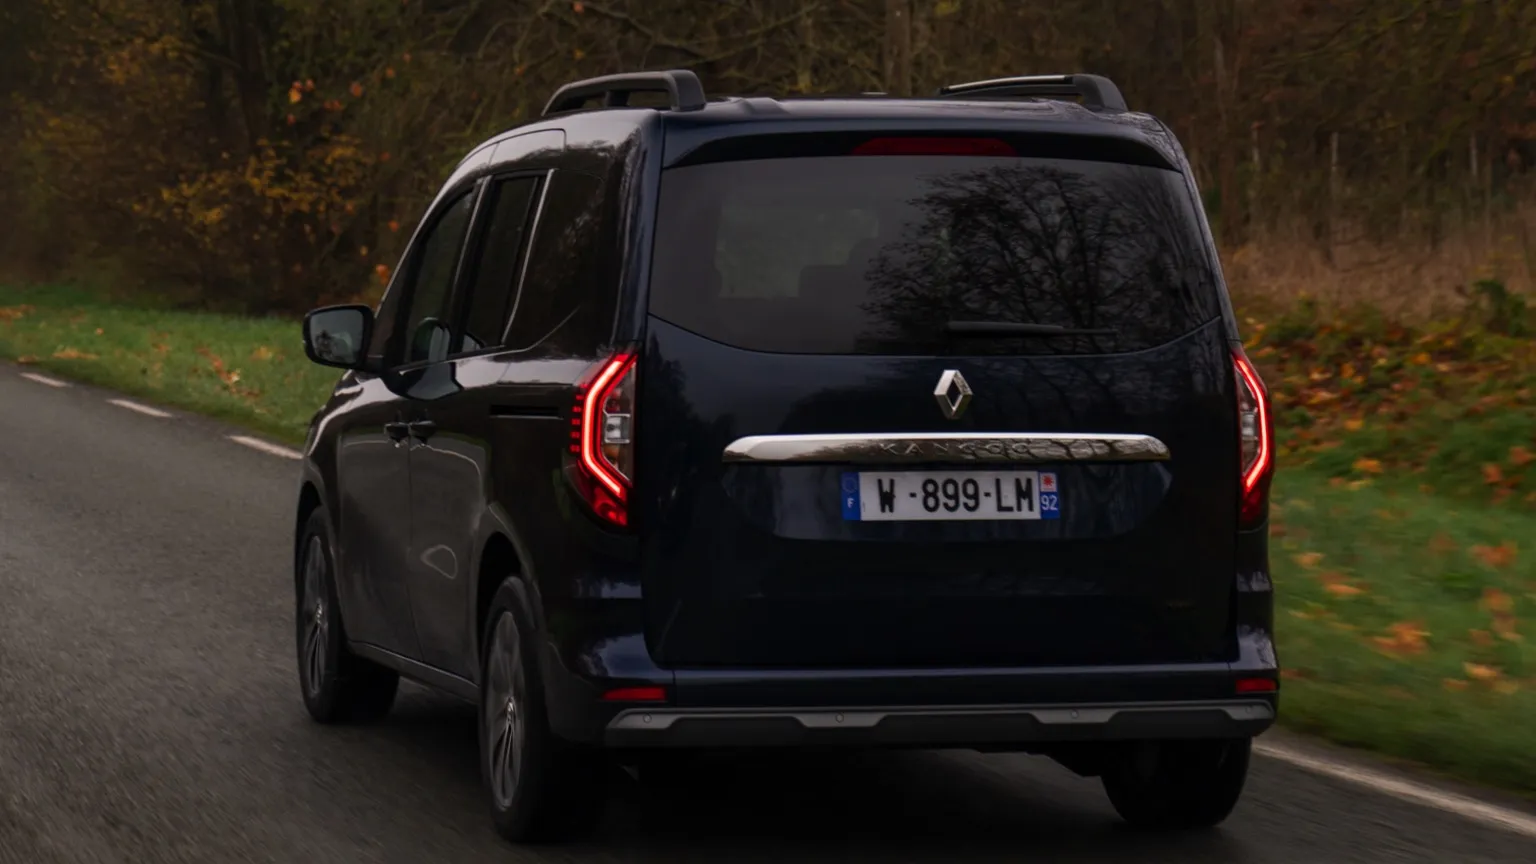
{"points": [[266, 447], [142, 409], [44, 379], [1404, 790]]}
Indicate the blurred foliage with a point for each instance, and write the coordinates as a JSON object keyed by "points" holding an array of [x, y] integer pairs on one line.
{"points": [[269, 154], [1403, 624], [1448, 406]]}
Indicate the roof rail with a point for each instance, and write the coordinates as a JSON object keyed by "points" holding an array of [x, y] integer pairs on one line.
{"points": [[681, 85], [1097, 92]]}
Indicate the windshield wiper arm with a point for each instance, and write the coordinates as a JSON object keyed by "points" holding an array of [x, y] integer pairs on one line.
{"points": [[1012, 328]]}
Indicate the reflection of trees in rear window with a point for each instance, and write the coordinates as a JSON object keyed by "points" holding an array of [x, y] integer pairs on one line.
{"points": [[875, 255], [763, 246], [1040, 245]]}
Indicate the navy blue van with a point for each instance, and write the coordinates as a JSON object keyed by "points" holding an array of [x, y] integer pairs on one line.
{"points": [[762, 422]]}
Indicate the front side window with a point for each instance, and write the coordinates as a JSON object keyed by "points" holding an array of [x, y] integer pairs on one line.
{"points": [[430, 290]]}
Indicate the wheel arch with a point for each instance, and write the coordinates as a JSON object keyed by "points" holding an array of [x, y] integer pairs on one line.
{"points": [[501, 556], [310, 500]]}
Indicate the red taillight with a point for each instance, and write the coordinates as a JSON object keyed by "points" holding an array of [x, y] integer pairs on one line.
{"points": [[1257, 685], [934, 147], [1256, 439], [602, 431], [636, 694]]}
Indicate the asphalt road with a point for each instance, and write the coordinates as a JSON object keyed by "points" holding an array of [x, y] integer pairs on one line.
{"points": [[149, 711]]}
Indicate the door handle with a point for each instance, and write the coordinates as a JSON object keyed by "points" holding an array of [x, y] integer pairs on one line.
{"points": [[397, 431], [421, 430]]}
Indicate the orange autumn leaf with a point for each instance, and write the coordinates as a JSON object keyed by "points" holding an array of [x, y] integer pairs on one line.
{"points": [[295, 94], [1480, 672], [1404, 637], [72, 354], [356, 90], [1519, 456], [1309, 560], [1493, 474], [578, 8], [382, 272], [394, 226], [389, 71], [1497, 557], [1496, 601], [1354, 424], [1343, 589], [1367, 466], [1454, 684]]}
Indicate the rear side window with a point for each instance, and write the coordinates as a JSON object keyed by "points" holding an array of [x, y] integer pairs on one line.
{"points": [[568, 296], [874, 255], [498, 258]]}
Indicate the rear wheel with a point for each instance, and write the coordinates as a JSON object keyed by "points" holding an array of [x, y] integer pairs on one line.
{"points": [[541, 788], [338, 686], [1170, 785]]}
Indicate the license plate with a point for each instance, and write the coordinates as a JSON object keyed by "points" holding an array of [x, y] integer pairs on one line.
{"points": [[932, 496]]}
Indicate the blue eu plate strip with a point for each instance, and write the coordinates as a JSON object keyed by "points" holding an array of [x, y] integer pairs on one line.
{"points": [[851, 509]]}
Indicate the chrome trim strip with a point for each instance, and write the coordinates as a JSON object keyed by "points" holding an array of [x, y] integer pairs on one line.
{"points": [[1028, 448], [662, 718]]}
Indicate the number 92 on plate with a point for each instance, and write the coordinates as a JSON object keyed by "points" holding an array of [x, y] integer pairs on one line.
{"points": [[937, 496]]}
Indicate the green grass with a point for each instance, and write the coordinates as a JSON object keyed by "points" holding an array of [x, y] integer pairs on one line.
{"points": [[1400, 614], [1400, 625], [246, 370]]}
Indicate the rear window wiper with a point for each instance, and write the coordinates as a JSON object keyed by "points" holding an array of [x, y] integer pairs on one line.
{"points": [[1013, 328]]}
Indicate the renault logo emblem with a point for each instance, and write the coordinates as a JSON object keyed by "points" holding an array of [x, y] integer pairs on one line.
{"points": [[953, 394]]}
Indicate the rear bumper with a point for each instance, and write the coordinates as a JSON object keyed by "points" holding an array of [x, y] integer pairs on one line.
{"points": [[604, 649], [1005, 726], [935, 708]]}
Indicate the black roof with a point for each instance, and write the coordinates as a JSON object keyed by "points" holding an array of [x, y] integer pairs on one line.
{"points": [[1038, 105]]}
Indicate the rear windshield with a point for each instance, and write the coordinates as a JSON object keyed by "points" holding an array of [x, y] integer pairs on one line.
{"points": [[877, 254]]}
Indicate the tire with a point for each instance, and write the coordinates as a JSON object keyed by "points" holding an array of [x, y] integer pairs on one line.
{"points": [[337, 685], [541, 788], [1177, 785]]}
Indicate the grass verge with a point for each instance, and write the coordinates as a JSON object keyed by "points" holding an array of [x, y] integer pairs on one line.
{"points": [[1400, 625], [246, 370], [1400, 607]]}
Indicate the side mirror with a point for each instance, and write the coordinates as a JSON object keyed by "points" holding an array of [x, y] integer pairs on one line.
{"points": [[338, 335]]}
